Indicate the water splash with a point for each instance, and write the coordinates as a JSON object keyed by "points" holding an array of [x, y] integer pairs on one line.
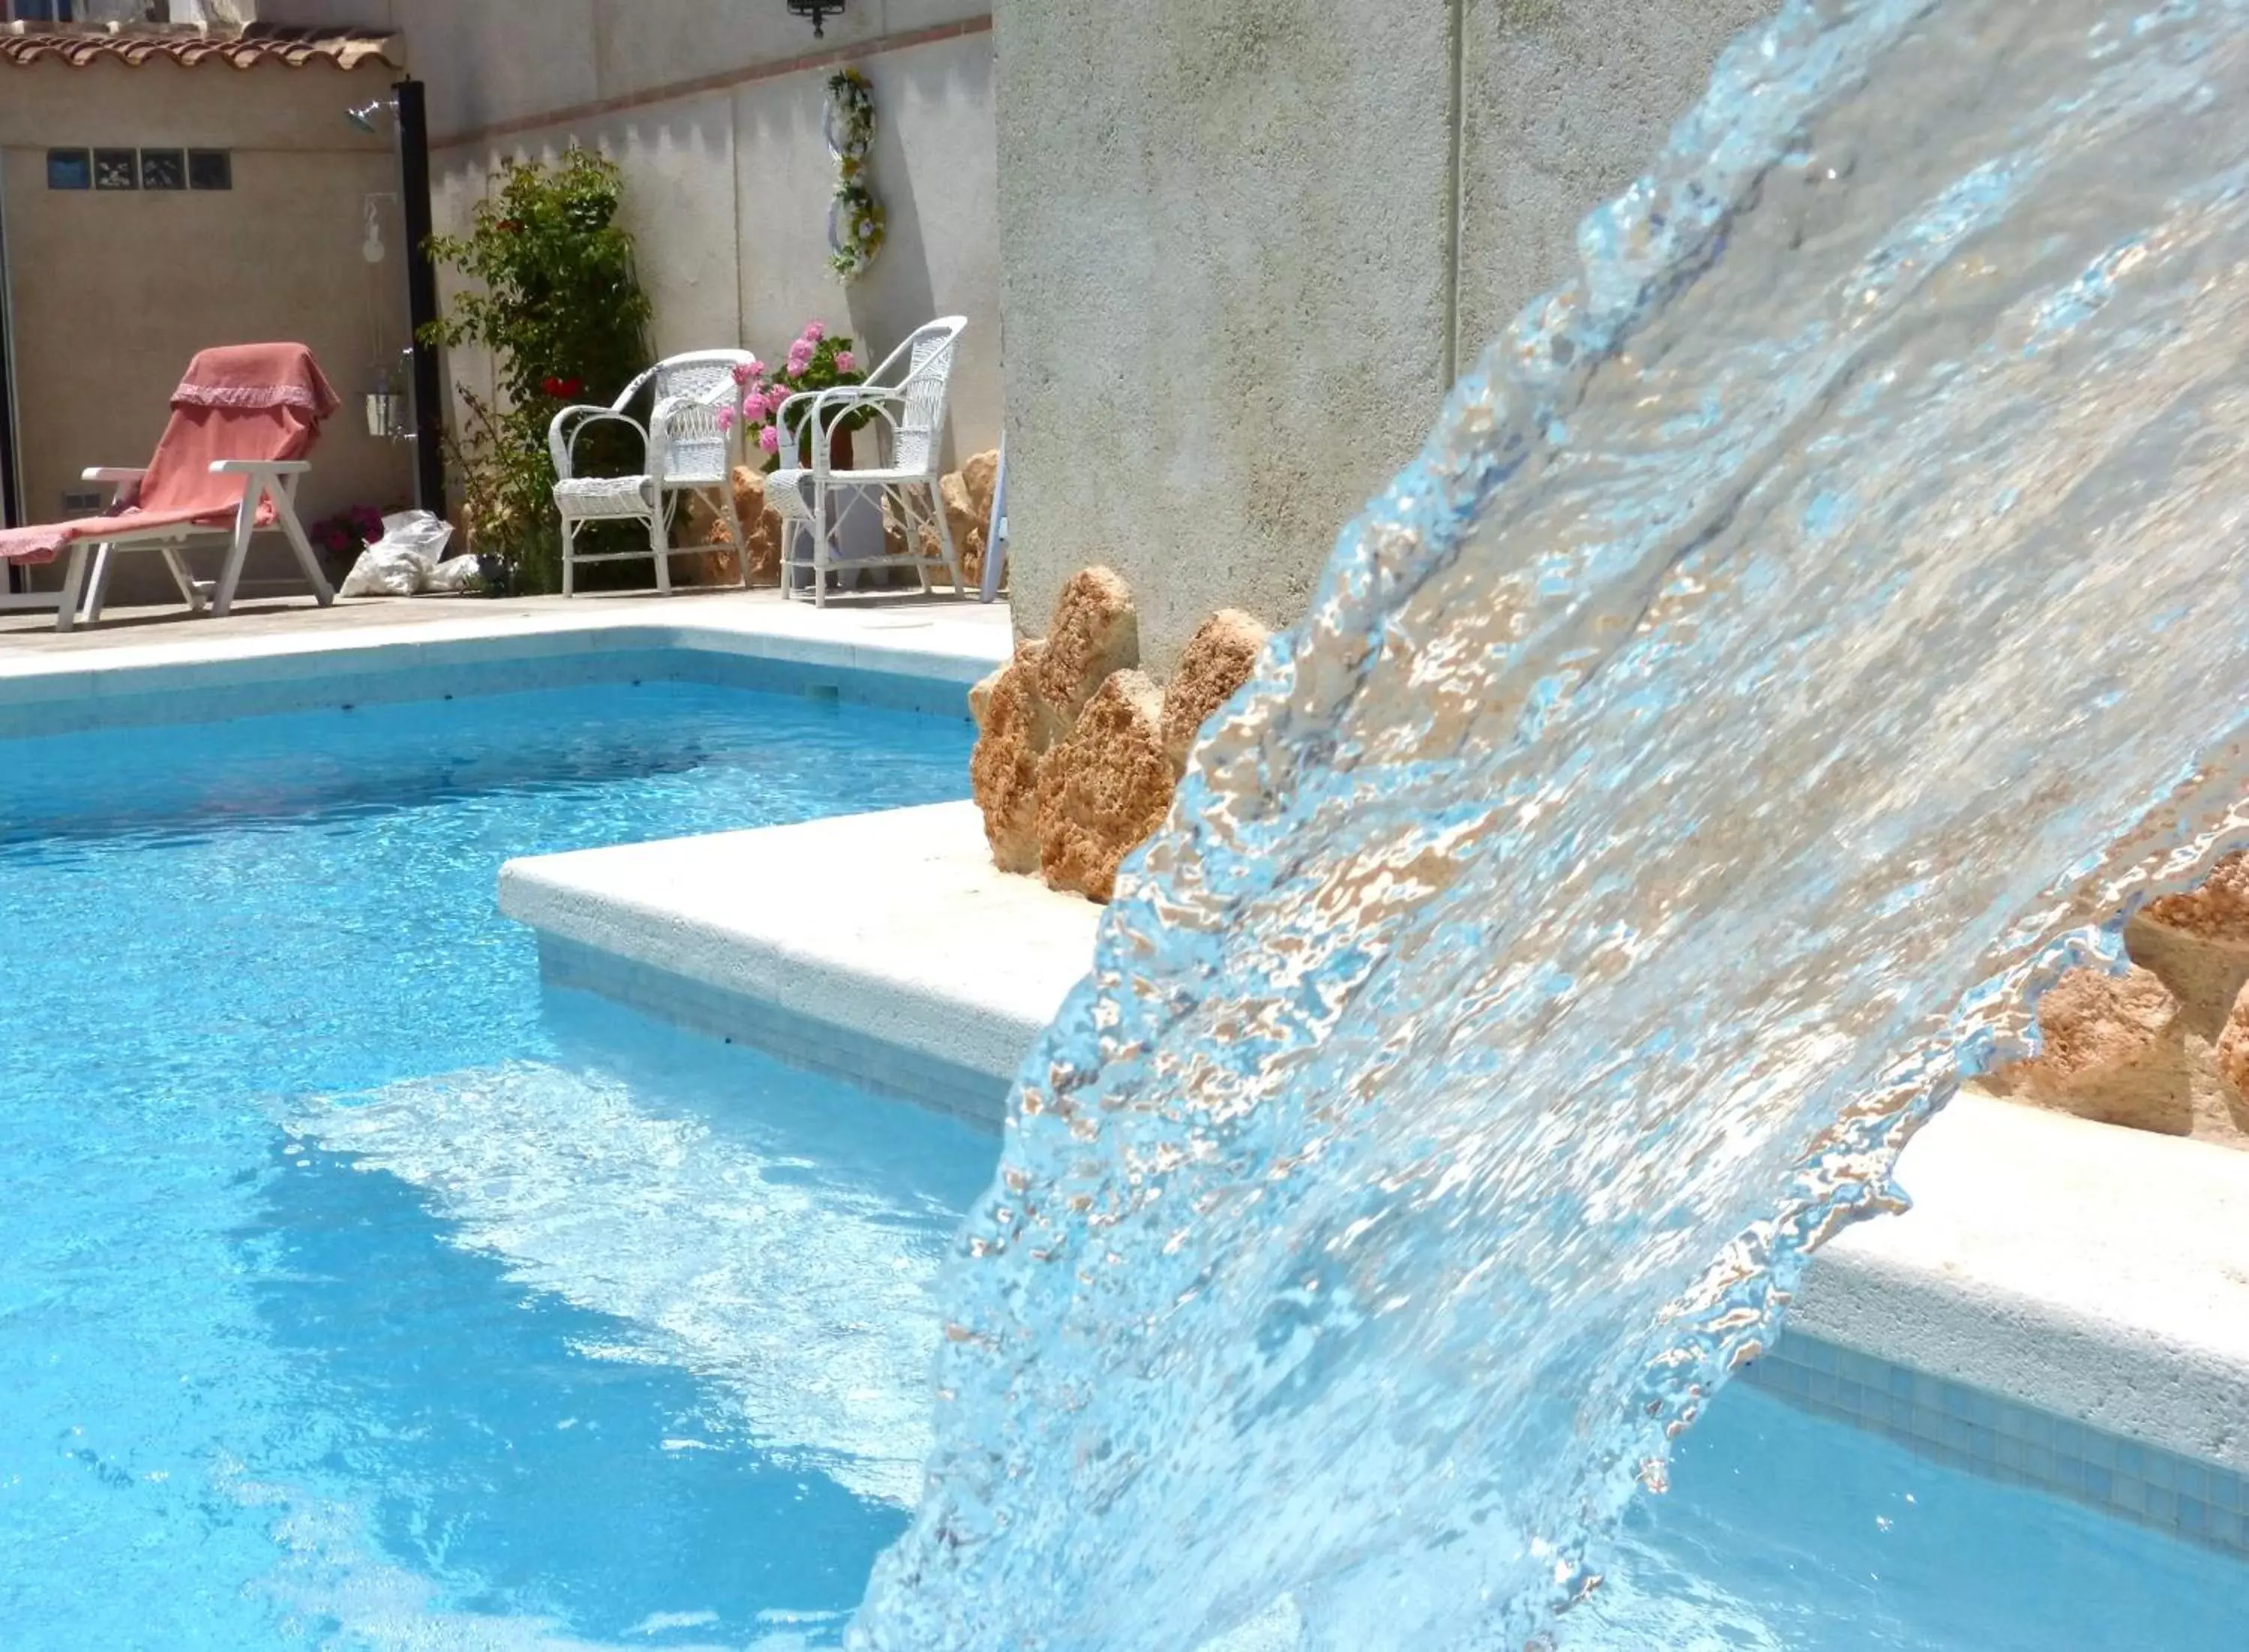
{"points": [[1799, 640]]}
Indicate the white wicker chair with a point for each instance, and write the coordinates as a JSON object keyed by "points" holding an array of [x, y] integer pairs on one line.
{"points": [[685, 447], [909, 419]]}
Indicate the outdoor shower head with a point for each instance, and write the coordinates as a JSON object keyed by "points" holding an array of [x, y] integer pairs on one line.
{"points": [[366, 116]]}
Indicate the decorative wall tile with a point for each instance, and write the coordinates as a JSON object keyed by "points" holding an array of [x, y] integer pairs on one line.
{"points": [[1989, 1435]]}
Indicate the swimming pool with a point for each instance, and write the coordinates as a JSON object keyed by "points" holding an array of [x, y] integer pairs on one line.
{"points": [[353, 1294], [348, 1294]]}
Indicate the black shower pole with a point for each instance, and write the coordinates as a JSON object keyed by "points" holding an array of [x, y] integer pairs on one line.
{"points": [[421, 296]]}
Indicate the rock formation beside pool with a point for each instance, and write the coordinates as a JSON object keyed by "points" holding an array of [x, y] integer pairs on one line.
{"points": [[1079, 749], [760, 524], [2165, 1046], [967, 496], [1219, 658], [1101, 790], [2113, 1050], [1096, 631], [1014, 731]]}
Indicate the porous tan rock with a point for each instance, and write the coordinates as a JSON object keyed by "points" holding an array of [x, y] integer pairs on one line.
{"points": [[1219, 659], [716, 563], [978, 477], [2232, 1058], [2198, 943], [1015, 729], [2113, 1050], [1105, 787], [963, 515], [2218, 910], [960, 516], [1096, 633], [979, 473], [760, 525]]}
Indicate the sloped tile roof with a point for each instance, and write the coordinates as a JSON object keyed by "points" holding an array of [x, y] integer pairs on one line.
{"points": [[243, 48]]}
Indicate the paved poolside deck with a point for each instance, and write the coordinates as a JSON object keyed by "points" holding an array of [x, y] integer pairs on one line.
{"points": [[29, 641], [165, 665]]}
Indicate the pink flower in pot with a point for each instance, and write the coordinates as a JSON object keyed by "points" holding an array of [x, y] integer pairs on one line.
{"points": [[725, 420], [814, 332], [769, 439]]}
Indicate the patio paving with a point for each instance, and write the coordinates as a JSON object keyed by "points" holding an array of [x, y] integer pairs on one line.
{"points": [[30, 634]]}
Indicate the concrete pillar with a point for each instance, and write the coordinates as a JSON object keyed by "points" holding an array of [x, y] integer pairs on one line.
{"points": [[1239, 244]]}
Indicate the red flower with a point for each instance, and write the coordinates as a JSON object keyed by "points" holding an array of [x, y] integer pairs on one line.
{"points": [[560, 388]]}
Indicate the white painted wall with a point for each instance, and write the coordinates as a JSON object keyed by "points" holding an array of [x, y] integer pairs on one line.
{"points": [[727, 175]]}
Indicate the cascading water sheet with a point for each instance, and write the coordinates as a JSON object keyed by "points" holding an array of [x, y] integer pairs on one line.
{"points": [[1802, 637]]}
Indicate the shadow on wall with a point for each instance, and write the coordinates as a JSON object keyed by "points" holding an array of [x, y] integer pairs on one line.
{"points": [[897, 294]]}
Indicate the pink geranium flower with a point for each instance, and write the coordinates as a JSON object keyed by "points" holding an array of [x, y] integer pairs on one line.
{"points": [[725, 420], [769, 439], [846, 362], [744, 371], [753, 405], [814, 332], [800, 356]]}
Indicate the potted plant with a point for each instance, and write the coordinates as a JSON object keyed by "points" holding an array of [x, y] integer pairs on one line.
{"points": [[816, 360]]}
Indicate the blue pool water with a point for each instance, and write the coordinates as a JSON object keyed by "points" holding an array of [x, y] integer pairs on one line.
{"points": [[1785, 1533], [354, 1296], [347, 1297]]}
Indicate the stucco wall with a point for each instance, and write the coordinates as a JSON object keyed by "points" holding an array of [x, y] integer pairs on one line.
{"points": [[1223, 232], [1564, 104], [113, 291], [1228, 245], [727, 175]]}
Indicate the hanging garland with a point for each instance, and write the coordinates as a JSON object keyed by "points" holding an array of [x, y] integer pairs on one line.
{"points": [[855, 217]]}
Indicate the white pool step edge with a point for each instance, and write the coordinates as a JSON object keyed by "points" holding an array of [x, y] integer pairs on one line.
{"points": [[2089, 1274]]}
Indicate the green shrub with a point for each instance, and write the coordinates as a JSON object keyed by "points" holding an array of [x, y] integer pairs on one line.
{"points": [[555, 300]]}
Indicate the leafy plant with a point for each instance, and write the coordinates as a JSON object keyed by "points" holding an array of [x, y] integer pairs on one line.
{"points": [[556, 302], [349, 532]]}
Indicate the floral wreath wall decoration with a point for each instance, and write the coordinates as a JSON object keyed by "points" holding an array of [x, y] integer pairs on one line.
{"points": [[855, 217]]}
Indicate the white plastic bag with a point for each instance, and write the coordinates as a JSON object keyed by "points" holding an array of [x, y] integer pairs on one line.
{"points": [[418, 531], [450, 577], [401, 563], [387, 570]]}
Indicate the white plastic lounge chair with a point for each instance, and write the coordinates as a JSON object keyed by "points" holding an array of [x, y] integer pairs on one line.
{"points": [[906, 393], [225, 468], [685, 448]]}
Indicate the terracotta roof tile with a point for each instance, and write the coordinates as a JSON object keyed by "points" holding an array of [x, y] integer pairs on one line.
{"points": [[243, 48]]}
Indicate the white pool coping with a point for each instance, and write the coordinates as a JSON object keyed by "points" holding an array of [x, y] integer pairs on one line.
{"points": [[939, 642], [2090, 1272], [891, 931], [2085, 1270]]}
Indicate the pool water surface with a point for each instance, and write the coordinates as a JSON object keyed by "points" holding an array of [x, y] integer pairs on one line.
{"points": [[354, 1294], [351, 1296]]}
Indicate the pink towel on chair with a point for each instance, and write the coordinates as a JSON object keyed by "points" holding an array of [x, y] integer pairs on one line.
{"points": [[241, 402]]}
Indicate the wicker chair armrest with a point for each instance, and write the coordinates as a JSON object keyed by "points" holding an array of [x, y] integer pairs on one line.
{"points": [[563, 430]]}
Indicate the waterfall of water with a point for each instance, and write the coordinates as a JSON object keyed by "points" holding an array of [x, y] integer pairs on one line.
{"points": [[1801, 638]]}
